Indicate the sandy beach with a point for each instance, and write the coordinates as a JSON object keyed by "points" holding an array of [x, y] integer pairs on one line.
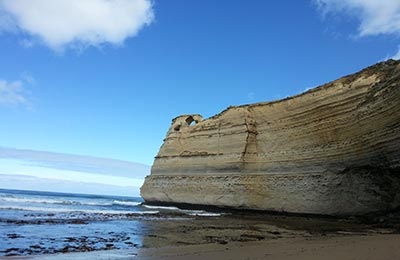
{"points": [[352, 247], [254, 236], [366, 247]]}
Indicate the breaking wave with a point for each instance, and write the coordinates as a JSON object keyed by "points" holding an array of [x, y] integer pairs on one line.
{"points": [[67, 202], [126, 203], [200, 213], [91, 211]]}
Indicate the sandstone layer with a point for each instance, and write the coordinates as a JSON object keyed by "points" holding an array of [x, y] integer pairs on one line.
{"points": [[332, 150]]}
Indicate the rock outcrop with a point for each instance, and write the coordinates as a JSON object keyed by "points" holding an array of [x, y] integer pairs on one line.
{"points": [[332, 150]]}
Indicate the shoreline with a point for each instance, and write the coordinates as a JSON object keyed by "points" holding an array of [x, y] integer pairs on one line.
{"points": [[170, 235], [371, 246], [82, 231]]}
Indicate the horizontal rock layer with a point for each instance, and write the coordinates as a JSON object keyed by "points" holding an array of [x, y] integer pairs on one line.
{"points": [[331, 150]]}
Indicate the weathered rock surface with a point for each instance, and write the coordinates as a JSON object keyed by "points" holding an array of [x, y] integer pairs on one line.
{"points": [[332, 150]]}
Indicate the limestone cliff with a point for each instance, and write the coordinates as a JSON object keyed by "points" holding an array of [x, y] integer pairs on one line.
{"points": [[332, 150]]}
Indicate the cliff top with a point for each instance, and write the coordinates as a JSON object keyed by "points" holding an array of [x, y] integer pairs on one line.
{"points": [[385, 67]]}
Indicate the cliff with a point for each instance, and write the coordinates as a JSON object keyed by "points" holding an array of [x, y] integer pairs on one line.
{"points": [[332, 150]]}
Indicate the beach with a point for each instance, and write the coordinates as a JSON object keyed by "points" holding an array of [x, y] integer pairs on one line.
{"points": [[354, 247], [69, 226], [346, 247]]}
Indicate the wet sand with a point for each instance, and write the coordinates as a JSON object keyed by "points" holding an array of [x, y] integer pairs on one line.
{"points": [[349, 247], [367, 247], [249, 235]]}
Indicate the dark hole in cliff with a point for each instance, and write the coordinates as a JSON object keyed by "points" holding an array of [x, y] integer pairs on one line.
{"points": [[177, 128], [190, 121]]}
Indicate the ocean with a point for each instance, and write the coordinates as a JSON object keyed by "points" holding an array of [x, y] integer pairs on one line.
{"points": [[35, 222]]}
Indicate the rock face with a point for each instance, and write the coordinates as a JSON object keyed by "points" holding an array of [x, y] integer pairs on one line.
{"points": [[332, 150]]}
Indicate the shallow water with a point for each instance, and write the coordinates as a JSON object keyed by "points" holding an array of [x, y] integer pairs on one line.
{"points": [[33, 222]]}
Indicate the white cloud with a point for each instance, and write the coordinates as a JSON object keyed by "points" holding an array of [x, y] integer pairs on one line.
{"points": [[29, 182], [78, 163], [76, 23], [16, 167], [15, 93], [375, 17], [12, 93], [38, 170]]}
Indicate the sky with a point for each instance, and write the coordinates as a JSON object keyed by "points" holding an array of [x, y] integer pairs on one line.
{"points": [[47, 171], [103, 78]]}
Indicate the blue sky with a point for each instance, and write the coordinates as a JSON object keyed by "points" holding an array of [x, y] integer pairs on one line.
{"points": [[105, 78]]}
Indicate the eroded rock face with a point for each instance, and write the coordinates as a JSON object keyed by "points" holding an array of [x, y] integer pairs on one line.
{"points": [[332, 150]]}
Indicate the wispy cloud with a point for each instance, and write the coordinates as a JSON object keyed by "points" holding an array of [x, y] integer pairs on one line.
{"points": [[375, 17], [29, 182], [15, 93], [28, 78], [28, 169], [74, 23], [78, 163]]}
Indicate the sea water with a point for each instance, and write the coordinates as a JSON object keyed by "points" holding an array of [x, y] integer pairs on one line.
{"points": [[35, 222]]}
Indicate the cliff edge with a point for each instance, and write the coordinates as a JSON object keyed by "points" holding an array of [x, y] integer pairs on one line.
{"points": [[332, 150]]}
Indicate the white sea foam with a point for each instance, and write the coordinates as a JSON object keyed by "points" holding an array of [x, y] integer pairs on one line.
{"points": [[110, 212], [94, 203], [206, 214], [67, 202], [162, 207], [186, 211], [43, 201], [126, 203]]}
